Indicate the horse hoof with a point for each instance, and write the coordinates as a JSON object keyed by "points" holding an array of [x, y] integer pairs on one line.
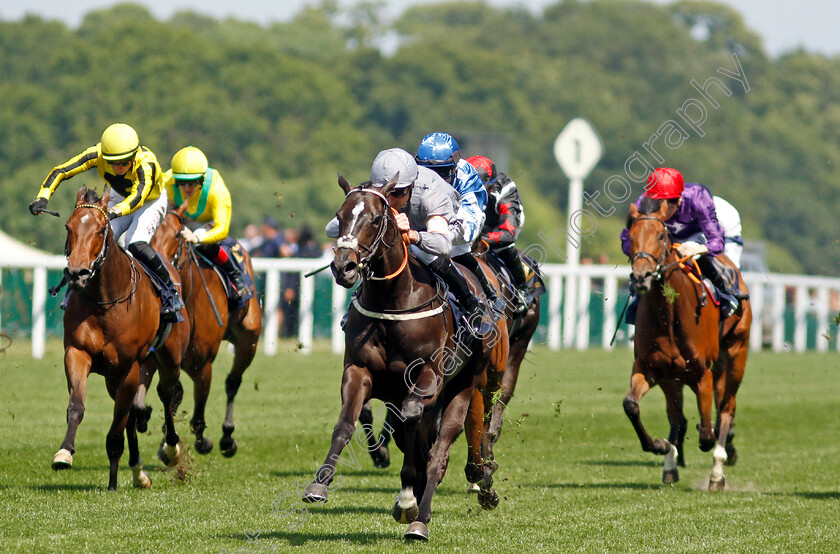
{"points": [[717, 486], [228, 447], [141, 423], [204, 446], [142, 481], [473, 488], [473, 472], [315, 493], [670, 476], [488, 500], [63, 459], [417, 531], [406, 515], [491, 466], [381, 458], [169, 455]]}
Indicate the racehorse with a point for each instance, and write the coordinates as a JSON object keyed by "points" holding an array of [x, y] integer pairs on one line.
{"points": [[521, 327], [681, 340], [400, 347], [211, 322], [111, 322]]}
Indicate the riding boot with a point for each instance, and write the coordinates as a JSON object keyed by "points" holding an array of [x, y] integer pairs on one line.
{"points": [[235, 276], [457, 283], [510, 256], [496, 304], [731, 299], [171, 302]]}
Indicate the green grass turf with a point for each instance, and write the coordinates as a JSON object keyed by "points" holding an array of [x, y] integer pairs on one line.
{"points": [[572, 476]]}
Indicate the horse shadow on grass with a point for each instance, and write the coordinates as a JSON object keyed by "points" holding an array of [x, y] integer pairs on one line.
{"points": [[631, 486], [65, 488], [293, 538], [623, 463], [343, 471]]}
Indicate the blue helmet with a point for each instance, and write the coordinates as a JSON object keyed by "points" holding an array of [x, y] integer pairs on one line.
{"points": [[438, 150]]}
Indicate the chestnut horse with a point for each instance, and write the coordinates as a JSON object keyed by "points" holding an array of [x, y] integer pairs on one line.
{"points": [[210, 322], [681, 340], [110, 324], [400, 347]]}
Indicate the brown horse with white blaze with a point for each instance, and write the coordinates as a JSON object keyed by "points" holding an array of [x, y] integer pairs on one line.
{"points": [[110, 323], [211, 322], [401, 348], [681, 340]]}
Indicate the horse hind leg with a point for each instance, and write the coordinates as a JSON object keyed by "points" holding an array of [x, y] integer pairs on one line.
{"points": [[139, 478], [244, 340], [378, 450], [170, 449], [201, 390], [115, 440]]}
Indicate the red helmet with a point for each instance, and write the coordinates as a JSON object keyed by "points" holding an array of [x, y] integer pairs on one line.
{"points": [[664, 183], [484, 166]]}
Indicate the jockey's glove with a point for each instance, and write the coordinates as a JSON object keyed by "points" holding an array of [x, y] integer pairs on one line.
{"points": [[38, 206], [112, 213], [690, 248]]}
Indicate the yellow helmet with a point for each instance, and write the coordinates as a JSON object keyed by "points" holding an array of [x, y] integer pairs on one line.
{"points": [[188, 164], [119, 142]]}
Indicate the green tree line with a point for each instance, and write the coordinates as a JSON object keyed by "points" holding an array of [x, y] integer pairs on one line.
{"points": [[280, 110]]}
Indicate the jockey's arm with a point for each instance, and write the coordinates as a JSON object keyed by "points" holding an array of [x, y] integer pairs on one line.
{"points": [[141, 186], [220, 206], [435, 239], [75, 165]]}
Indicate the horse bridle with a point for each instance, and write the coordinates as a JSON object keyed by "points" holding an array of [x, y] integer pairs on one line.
{"points": [[658, 270], [106, 244], [351, 242]]}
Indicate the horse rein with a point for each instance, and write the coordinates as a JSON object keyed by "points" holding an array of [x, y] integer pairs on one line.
{"points": [[658, 271], [103, 253], [351, 242], [661, 270]]}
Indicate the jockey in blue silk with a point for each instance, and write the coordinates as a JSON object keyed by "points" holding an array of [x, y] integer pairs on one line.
{"points": [[692, 222], [441, 153], [137, 201]]}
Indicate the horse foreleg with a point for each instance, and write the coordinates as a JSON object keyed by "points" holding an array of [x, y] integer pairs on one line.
{"points": [[452, 421], [704, 389], [76, 370], [201, 390], [518, 348], [639, 386], [355, 389], [674, 405], [245, 347]]}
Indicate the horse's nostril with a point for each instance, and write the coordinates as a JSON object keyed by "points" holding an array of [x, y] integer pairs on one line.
{"points": [[350, 267]]}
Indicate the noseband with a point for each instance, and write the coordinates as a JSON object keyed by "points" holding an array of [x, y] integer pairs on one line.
{"points": [[351, 242], [106, 244], [657, 273]]}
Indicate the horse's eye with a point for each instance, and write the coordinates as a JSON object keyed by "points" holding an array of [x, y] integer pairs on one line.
{"points": [[662, 236], [378, 219]]}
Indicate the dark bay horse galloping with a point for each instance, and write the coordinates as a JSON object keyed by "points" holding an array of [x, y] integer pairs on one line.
{"points": [[680, 340], [110, 322], [210, 322], [400, 347]]}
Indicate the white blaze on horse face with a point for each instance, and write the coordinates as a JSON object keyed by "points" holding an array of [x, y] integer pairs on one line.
{"points": [[84, 218], [357, 211]]}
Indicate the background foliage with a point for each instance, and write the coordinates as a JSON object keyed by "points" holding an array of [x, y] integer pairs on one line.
{"points": [[280, 110]]}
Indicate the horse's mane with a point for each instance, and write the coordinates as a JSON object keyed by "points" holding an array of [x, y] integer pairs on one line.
{"points": [[647, 206]]}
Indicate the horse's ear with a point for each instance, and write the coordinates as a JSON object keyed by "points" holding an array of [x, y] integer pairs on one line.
{"points": [[80, 196], [106, 195], [634, 211], [389, 186], [344, 184]]}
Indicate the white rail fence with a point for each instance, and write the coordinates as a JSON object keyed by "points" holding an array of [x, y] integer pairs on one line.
{"points": [[790, 312]]}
